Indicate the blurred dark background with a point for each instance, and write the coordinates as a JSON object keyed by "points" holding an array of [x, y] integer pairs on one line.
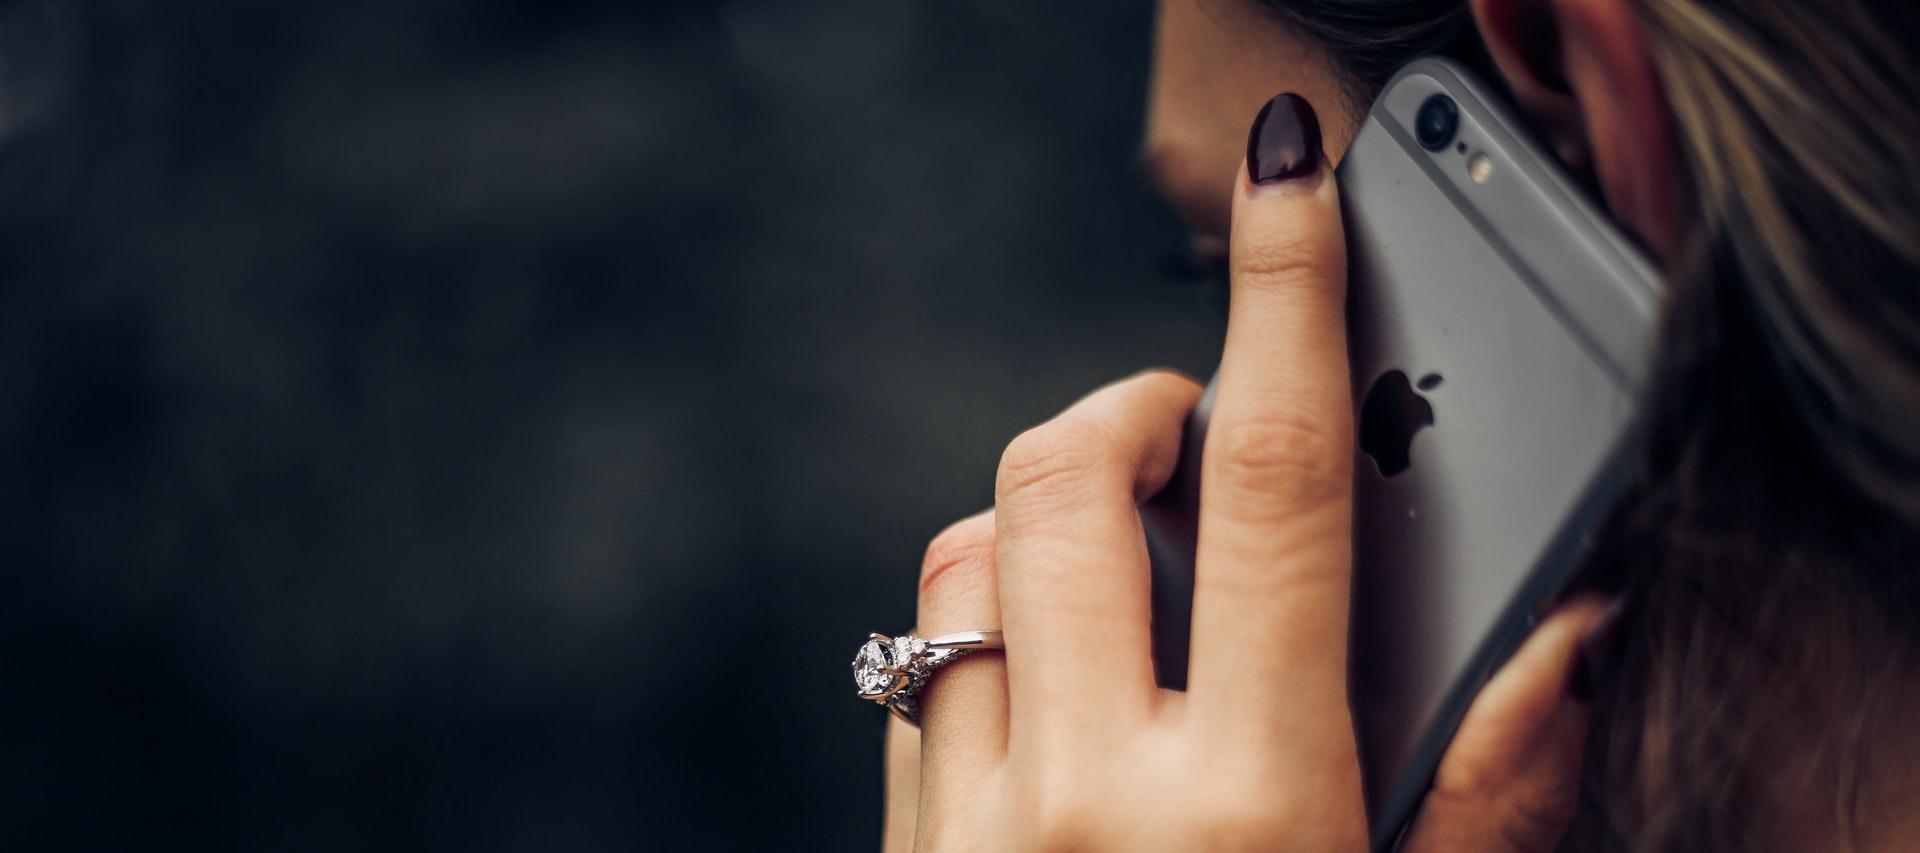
{"points": [[489, 426]]}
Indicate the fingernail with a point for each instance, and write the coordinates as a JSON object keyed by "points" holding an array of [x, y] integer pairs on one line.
{"points": [[1285, 141], [1599, 654]]}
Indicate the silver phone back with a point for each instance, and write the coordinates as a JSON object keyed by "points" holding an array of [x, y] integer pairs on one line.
{"points": [[1525, 315]]}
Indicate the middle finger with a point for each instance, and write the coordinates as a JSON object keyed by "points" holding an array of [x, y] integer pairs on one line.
{"points": [[1074, 592]]}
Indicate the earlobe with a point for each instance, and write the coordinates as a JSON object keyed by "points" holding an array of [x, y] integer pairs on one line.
{"points": [[1583, 71]]}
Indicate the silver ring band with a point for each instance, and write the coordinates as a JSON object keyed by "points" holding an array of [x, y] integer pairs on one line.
{"points": [[892, 670]]}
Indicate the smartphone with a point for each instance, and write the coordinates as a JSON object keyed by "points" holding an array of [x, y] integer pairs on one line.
{"points": [[1499, 327]]}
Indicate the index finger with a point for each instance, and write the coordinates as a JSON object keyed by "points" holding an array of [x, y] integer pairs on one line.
{"points": [[1274, 559]]}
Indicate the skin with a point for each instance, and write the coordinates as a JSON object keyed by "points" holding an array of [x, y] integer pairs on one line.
{"points": [[1065, 742]]}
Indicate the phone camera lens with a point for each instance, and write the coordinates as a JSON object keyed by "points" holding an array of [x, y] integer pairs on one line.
{"points": [[1435, 123]]}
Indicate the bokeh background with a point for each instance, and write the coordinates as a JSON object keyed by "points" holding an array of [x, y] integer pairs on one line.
{"points": [[468, 425]]}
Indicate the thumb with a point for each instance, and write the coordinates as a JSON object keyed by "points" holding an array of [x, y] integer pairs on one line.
{"points": [[1510, 781]]}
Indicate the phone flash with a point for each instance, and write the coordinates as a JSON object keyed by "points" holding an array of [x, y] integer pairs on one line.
{"points": [[1479, 168]]}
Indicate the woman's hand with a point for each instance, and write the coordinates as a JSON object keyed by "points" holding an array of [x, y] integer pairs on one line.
{"points": [[1066, 742]]}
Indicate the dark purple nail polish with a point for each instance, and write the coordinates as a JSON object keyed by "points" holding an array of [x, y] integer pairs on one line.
{"points": [[1599, 654], [1285, 141]]}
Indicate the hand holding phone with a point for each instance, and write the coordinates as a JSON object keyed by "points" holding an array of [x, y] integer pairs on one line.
{"points": [[1497, 327]]}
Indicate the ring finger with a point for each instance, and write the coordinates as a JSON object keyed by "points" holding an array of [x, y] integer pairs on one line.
{"points": [[963, 710], [1072, 561]]}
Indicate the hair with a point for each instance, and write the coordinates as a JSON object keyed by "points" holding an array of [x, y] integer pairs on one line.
{"points": [[1370, 40], [1767, 551]]}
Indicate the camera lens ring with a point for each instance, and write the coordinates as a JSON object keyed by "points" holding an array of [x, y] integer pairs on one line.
{"points": [[1434, 125]]}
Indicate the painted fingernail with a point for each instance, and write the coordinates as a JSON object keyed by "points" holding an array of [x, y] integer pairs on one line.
{"points": [[1285, 140], [1599, 654]]}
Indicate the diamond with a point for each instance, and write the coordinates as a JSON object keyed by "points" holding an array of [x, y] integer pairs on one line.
{"points": [[906, 649], [867, 665]]}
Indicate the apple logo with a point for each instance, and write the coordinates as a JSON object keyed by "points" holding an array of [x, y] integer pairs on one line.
{"points": [[1392, 413]]}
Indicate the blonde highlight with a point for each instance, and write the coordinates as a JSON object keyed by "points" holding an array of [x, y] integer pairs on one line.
{"points": [[1768, 550]]}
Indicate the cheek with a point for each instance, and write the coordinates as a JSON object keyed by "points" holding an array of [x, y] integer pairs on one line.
{"points": [[1215, 63], [1192, 170], [1195, 133]]}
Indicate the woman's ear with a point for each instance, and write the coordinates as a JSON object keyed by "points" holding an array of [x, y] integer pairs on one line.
{"points": [[1582, 71]]}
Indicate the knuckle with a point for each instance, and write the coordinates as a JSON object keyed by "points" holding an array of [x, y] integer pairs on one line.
{"points": [[1523, 816], [1168, 376], [1284, 261], [1463, 783], [1270, 813], [1052, 464], [1063, 817], [961, 554], [1536, 824], [1283, 460], [1242, 823]]}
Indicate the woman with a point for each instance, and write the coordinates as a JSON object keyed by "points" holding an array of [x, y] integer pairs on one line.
{"points": [[1737, 671]]}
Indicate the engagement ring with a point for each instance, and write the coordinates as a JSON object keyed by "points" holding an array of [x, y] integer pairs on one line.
{"points": [[892, 670]]}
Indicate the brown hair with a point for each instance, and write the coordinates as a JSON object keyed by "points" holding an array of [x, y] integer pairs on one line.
{"points": [[1371, 40], [1767, 551]]}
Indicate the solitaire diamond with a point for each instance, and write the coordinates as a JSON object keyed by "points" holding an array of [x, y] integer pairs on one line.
{"points": [[867, 666]]}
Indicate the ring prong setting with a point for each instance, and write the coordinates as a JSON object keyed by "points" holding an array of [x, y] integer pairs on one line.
{"points": [[891, 670]]}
